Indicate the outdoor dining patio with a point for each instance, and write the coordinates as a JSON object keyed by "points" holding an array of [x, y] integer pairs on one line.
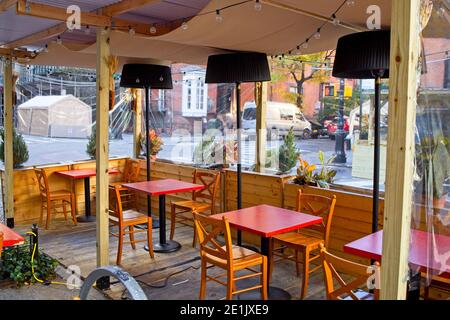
{"points": [[141, 227]]}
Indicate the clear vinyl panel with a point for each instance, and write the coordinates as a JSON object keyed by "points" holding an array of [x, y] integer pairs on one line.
{"points": [[430, 225]]}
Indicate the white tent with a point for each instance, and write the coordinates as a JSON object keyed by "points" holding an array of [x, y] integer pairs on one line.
{"points": [[55, 116]]}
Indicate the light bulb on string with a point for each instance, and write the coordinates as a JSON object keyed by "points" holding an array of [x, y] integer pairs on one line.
{"points": [[440, 10], [219, 18], [59, 40], [87, 30], [317, 34], [350, 3], [184, 25], [46, 48], [305, 44], [131, 31], [153, 29], [258, 5], [335, 20]]}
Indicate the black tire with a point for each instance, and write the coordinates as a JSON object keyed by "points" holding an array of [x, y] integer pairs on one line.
{"points": [[306, 134], [332, 137]]}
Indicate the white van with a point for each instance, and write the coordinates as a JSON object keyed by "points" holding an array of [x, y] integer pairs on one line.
{"points": [[280, 118]]}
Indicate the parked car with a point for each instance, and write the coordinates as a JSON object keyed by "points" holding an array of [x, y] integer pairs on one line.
{"points": [[317, 130], [331, 126], [280, 118]]}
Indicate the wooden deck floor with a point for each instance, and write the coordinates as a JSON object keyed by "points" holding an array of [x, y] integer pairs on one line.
{"points": [[76, 245]]}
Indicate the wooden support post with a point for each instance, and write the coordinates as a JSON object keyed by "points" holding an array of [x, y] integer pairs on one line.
{"points": [[8, 126], [102, 124], [137, 130], [261, 130], [405, 51]]}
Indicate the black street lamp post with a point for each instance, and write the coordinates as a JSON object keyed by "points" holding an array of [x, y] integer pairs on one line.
{"points": [[340, 133]]}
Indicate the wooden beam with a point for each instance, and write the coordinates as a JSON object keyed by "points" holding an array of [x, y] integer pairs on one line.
{"points": [[405, 52], [137, 130], [40, 10], [6, 4], [102, 158], [15, 53], [8, 126], [306, 13], [87, 18], [124, 6], [261, 130]]}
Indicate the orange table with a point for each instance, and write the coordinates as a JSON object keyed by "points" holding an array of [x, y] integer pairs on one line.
{"points": [[85, 174]]}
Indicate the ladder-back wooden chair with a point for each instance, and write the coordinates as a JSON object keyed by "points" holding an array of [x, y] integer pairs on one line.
{"points": [[52, 200], [305, 242], [124, 215], [334, 266], [228, 257], [202, 200], [131, 172]]}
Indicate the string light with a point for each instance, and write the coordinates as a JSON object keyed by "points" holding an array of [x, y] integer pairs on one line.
{"points": [[440, 10], [317, 34], [87, 30], [219, 18], [258, 5], [153, 29], [184, 25], [335, 19], [59, 40], [46, 48], [131, 31], [305, 44], [350, 3]]}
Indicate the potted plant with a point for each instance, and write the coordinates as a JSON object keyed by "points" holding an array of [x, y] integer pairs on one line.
{"points": [[308, 174], [20, 149], [288, 153], [156, 143]]}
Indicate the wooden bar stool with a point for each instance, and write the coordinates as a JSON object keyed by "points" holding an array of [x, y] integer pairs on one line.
{"points": [[52, 200]]}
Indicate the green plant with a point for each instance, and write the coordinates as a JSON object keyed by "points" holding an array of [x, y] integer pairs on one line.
{"points": [[20, 149], [288, 153], [308, 175], [91, 147], [16, 265], [155, 143]]}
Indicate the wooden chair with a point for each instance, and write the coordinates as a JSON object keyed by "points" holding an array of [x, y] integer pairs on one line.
{"points": [[182, 210], [51, 200], [228, 257], [1, 243], [123, 214], [306, 240], [346, 290], [131, 172]]}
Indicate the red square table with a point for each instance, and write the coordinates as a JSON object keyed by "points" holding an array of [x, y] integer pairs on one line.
{"points": [[10, 237], [267, 221], [161, 188], [420, 250], [85, 174]]}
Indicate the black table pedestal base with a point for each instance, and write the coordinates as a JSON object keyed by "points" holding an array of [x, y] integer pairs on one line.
{"points": [[169, 246], [273, 294], [84, 219]]}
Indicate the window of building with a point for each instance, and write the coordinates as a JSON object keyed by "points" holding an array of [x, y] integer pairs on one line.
{"points": [[195, 94]]}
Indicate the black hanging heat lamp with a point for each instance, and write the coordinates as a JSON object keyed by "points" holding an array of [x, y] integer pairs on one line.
{"points": [[365, 55], [147, 76], [237, 68]]}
